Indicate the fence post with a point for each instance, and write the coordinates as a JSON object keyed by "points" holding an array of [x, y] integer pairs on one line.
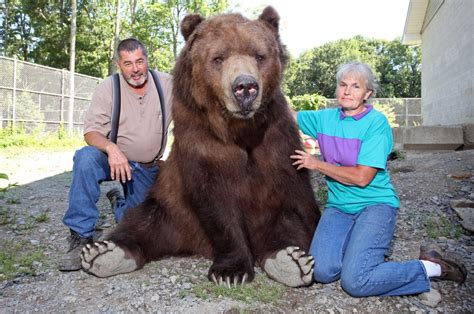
{"points": [[71, 103], [61, 104], [406, 112], [14, 93]]}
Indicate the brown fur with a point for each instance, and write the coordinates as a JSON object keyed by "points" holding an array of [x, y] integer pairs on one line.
{"points": [[228, 190]]}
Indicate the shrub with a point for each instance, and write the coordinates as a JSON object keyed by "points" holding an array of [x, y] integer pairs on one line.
{"points": [[308, 102]]}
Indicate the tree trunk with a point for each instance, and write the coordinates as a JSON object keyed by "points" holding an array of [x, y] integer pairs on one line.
{"points": [[6, 30], [115, 40], [72, 66], [133, 11]]}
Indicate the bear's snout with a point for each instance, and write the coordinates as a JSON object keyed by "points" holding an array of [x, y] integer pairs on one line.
{"points": [[245, 89]]}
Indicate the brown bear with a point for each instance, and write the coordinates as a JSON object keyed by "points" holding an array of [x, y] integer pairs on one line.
{"points": [[228, 190]]}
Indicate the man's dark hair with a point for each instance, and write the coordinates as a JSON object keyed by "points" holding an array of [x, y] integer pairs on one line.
{"points": [[129, 45]]}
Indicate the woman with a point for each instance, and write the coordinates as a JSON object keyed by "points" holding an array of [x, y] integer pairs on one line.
{"points": [[358, 222]]}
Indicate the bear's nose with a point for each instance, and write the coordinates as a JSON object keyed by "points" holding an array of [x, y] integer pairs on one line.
{"points": [[245, 89]]}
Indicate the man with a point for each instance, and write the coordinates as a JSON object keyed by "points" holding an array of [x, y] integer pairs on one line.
{"points": [[131, 161]]}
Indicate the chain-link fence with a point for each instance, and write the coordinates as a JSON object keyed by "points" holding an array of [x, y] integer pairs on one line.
{"points": [[36, 96], [405, 111]]}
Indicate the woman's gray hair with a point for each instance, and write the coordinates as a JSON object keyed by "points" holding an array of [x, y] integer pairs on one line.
{"points": [[360, 70]]}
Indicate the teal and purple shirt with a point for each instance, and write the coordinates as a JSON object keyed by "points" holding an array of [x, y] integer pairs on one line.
{"points": [[363, 139]]}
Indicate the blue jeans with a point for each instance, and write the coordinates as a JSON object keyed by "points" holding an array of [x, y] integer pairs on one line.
{"points": [[91, 167], [351, 247]]}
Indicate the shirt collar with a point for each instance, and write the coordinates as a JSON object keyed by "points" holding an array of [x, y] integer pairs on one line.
{"points": [[358, 116]]}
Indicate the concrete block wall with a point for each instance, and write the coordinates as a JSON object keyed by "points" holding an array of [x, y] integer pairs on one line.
{"points": [[448, 64]]}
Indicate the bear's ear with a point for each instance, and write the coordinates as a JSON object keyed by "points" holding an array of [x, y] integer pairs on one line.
{"points": [[189, 23], [270, 16]]}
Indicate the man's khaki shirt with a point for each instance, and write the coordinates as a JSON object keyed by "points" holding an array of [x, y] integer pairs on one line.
{"points": [[140, 131]]}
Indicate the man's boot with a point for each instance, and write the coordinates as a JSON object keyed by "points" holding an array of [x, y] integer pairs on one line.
{"points": [[72, 259]]}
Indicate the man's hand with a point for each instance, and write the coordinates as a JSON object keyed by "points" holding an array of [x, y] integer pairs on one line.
{"points": [[118, 162]]}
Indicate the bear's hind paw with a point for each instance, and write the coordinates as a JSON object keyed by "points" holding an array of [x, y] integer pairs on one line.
{"points": [[290, 266], [105, 259]]}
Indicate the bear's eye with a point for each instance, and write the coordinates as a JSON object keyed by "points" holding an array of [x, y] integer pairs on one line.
{"points": [[259, 58], [218, 60]]}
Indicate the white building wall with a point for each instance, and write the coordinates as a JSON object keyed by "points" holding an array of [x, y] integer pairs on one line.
{"points": [[447, 78]]}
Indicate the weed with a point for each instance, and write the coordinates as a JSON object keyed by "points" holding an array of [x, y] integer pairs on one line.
{"points": [[9, 185], [261, 289], [442, 227], [18, 258], [24, 224], [5, 216], [13, 200], [397, 155], [43, 217], [321, 194]]}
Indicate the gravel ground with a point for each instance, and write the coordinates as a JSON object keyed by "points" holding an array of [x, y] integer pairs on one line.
{"points": [[424, 182]]}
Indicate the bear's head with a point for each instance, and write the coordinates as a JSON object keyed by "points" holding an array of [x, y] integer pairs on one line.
{"points": [[229, 63]]}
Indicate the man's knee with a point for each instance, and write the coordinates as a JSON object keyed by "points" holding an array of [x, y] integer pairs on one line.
{"points": [[88, 156]]}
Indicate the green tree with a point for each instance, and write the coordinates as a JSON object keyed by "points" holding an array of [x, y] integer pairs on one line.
{"points": [[156, 24], [397, 67], [308, 102], [38, 31], [16, 32]]}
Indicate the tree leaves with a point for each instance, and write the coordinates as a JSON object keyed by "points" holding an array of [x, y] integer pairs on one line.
{"points": [[397, 67], [38, 31]]}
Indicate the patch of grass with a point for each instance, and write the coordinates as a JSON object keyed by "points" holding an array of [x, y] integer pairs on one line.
{"points": [[18, 223], [14, 142], [442, 227], [43, 217], [13, 200], [6, 216], [261, 289], [19, 259], [30, 222]]}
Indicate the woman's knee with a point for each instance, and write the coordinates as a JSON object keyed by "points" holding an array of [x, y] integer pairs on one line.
{"points": [[354, 286], [325, 273]]}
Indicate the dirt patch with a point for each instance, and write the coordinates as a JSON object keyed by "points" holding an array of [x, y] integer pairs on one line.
{"points": [[31, 216]]}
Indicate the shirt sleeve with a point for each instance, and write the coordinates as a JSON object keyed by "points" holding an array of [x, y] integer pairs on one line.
{"points": [[98, 115], [308, 122], [376, 147]]}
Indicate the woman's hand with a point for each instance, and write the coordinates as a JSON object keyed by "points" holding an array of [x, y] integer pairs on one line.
{"points": [[350, 175], [303, 159]]}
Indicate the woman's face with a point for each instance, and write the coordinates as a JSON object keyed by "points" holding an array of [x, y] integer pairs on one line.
{"points": [[351, 93]]}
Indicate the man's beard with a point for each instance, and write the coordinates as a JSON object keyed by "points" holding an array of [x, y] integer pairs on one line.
{"points": [[138, 83]]}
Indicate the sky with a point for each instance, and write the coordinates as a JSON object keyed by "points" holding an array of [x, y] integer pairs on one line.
{"points": [[305, 24]]}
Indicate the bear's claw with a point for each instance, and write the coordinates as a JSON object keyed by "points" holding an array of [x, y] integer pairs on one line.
{"points": [[105, 259], [290, 266], [219, 281]]}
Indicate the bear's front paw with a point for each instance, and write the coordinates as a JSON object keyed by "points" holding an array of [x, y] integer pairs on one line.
{"points": [[290, 266], [232, 275], [105, 259]]}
